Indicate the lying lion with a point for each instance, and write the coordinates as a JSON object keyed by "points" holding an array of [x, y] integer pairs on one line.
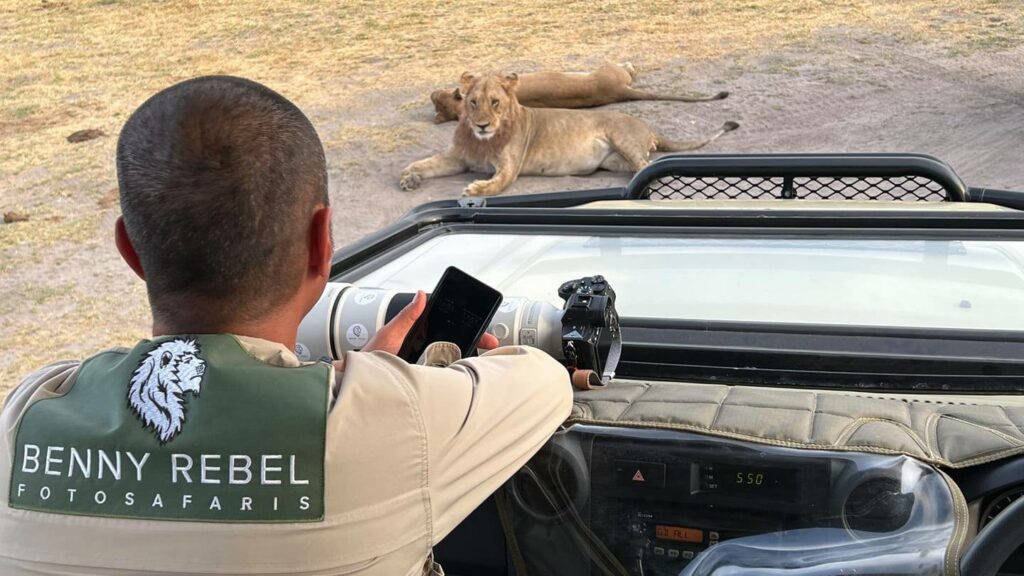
{"points": [[608, 85], [498, 134]]}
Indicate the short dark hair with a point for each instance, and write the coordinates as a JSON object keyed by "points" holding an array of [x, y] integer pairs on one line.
{"points": [[218, 178]]}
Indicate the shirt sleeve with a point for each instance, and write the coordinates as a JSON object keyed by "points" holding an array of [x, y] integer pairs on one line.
{"points": [[484, 418]]}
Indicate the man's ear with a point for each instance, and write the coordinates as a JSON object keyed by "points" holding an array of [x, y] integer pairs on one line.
{"points": [[321, 246], [124, 246]]}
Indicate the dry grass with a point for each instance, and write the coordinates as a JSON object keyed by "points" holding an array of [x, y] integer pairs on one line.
{"points": [[70, 65]]}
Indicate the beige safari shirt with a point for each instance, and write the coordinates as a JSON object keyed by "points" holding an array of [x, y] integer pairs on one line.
{"points": [[411, 451]]}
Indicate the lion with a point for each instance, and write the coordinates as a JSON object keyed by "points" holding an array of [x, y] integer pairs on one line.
{"points": [[607, 85], [498, 134], [159, 384]]}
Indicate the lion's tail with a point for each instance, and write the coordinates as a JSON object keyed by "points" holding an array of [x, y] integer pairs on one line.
{"points": [[635, 94], [667, 145]]}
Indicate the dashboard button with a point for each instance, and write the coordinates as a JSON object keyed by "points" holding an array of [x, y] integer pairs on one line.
{"points": [[659, 551], [687, 554], [640, 474], [673, 553]]}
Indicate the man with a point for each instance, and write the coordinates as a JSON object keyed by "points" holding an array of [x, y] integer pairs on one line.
{"points": [[211, 449]]}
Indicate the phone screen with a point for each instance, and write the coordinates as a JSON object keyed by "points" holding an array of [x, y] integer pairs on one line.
{"points": [[458, 311]]}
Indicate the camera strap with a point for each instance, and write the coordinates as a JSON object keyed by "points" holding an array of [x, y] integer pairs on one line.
{"points": [[584, 379], [614, 351]]}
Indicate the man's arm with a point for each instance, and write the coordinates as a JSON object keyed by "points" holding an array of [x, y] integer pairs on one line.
{"points": [[484, 418]]}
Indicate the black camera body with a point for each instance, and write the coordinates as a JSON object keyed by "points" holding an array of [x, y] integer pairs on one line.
{"points": [[590, 327]]}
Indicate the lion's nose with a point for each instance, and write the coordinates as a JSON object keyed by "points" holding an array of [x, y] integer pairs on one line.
{"points": [[200, 369], [484, 126]]}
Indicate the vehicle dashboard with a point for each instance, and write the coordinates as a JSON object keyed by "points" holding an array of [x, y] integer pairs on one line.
{"points": [[655, 500]]}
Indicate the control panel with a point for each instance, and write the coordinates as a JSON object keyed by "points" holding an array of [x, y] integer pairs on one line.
{"points": [[649, 503], [658, 505]]}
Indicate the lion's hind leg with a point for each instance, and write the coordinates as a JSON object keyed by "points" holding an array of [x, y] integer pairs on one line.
{"points": [[629, 153], [616, 163], [436, 166]]}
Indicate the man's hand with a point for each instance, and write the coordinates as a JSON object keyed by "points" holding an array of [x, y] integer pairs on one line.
{"points": [[390, 337]]}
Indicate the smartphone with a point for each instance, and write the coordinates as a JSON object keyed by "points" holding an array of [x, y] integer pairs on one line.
{"points": [[459, 310]]}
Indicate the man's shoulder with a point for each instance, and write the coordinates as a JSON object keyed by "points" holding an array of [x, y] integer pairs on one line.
{"points": [[54, 379], [61, 367]]}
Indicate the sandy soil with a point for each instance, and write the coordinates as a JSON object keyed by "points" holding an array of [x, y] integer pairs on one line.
{"points": [[858, 93], [849, 90]]}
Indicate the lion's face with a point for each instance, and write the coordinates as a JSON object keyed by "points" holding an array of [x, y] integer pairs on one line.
{"points": [[447, 104], [488, 99], [159, 384]]}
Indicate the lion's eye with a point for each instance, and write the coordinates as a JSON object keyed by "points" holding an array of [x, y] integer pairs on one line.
{"points": [[494, 103], [186, 359], [472, 103]]}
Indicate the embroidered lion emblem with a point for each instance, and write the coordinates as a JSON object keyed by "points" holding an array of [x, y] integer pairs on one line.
{"points": [[159, 384]]}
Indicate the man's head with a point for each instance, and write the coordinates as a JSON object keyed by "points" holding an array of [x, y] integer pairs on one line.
{"points": [[223, 188]]}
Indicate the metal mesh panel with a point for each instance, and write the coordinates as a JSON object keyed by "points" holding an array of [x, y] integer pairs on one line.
{"points": [[899, 188]]}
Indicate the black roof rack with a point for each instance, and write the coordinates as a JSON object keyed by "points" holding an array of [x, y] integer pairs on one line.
{"points": [[787, 177], [891, 177], [844, 176]]}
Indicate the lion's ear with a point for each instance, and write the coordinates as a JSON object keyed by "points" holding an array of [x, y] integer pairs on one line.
{"points": [[510, 81], [457, 94], [466, 82]]}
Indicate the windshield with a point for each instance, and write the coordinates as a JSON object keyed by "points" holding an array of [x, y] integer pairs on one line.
{"points": [[967, 284]]}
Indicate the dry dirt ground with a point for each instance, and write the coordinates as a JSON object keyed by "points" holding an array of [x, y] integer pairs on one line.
{"points": [[921, 76]]}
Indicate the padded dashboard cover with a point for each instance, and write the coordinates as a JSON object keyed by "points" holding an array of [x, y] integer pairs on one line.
{"points": [[952, 432]]}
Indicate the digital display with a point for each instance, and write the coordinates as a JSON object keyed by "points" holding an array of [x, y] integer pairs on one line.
{"points": [[740, 480], [458, 311], [679, 534]]}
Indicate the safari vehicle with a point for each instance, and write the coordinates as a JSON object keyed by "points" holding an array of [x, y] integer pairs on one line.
{"points": [[818, 366]]}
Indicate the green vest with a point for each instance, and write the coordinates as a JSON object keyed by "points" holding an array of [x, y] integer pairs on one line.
{"points": [[179, 428]]}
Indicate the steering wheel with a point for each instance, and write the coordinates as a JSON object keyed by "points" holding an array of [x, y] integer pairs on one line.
{"points": [[995, 543]]}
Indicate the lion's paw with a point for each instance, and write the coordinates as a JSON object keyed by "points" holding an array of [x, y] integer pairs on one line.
{"points": [[410, 181], [478, 188]]}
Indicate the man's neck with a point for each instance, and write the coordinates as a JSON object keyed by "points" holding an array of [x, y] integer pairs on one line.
{"points": [[283, 333]]}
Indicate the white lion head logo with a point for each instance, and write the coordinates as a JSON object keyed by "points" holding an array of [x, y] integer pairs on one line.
{"points": [[159, 384]]}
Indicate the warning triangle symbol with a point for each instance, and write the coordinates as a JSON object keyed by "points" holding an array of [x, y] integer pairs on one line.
{"points": [[573, 334], [639, 477]]}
